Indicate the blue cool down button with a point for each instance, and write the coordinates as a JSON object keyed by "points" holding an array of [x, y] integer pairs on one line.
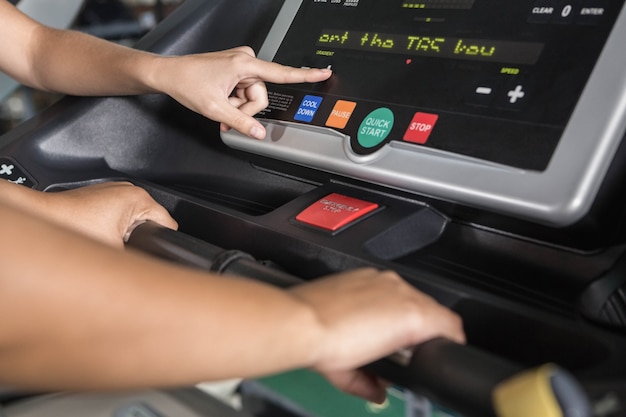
{"points": [[308, 108]]}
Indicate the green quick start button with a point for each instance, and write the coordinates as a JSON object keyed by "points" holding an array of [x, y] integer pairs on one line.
{"points": [[375, 127]]}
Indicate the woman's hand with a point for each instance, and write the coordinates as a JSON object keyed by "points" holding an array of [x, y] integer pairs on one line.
{"points": [[227, 86], [377, 315], [107, 212]]}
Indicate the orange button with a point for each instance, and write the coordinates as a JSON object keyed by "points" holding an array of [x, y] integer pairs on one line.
{"points": [[340, 114], [335, 211]]}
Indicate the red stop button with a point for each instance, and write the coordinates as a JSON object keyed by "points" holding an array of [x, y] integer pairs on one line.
{"points": [[421, 127], [335, 211]]}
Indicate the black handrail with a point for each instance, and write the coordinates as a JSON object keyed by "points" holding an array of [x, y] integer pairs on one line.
{"points": [[466, 379]]}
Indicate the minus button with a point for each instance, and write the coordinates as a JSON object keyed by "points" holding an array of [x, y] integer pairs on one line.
{"points": [[480, 95]]}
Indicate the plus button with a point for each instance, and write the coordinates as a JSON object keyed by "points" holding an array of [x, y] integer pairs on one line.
{"points": [[516, 94], [6, 169], [13, 173]]}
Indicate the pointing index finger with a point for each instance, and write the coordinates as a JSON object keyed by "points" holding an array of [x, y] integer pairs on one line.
{"points": [[281, 74]]}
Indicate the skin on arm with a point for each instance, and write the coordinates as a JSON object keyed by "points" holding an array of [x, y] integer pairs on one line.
{"points": [[76, 314], [373, 305], [89, 316], [213, 76], [106, 211], [224, 86]]}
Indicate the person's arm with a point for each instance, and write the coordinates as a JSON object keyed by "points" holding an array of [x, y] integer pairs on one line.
{"points": [[76, 314], [75, 63], [106, 211]]}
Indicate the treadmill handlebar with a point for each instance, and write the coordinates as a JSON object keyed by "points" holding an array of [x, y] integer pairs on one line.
{"points": [[466, 379], [164, 243]]}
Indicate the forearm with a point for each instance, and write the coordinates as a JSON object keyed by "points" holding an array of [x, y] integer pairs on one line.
{"points": [[70, 62], [22, 197], [226, 86], [75, 63], [74, 314]]}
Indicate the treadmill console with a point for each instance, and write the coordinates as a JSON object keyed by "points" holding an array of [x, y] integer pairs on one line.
{"points": [[515, 107]]}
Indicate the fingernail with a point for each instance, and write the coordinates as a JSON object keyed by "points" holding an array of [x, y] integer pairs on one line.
{"points": [[257, 132]]}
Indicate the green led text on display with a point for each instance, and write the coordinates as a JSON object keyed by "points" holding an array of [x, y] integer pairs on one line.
{"points": [[525, 53]]}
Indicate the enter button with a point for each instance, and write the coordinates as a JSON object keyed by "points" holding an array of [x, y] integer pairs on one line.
{"points": [[335, 211]]}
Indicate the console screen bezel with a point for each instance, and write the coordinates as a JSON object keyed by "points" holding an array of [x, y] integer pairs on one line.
{"points": [[559, 195]]}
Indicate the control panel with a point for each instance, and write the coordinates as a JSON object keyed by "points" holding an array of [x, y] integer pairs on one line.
{"points": [[511, 106]]}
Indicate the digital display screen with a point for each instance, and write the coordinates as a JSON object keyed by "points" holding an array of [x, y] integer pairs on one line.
{"points": [[524, 53], [486, 79]]}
